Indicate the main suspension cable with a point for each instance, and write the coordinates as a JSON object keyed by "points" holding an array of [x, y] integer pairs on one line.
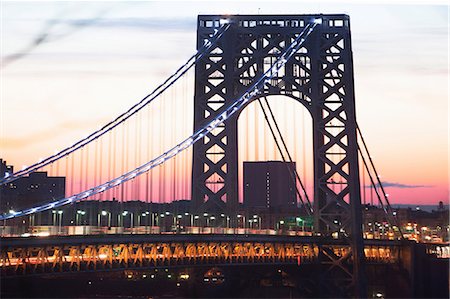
{"points": [[208, 45]]}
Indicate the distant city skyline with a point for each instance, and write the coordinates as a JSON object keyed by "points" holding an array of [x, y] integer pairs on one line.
{"points": [[60, 57]]}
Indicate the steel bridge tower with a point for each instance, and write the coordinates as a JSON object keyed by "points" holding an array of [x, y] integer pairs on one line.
{"points": [[320, 76]]}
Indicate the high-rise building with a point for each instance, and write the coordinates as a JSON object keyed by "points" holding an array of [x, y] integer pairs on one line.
{"points": [[269, 184]]}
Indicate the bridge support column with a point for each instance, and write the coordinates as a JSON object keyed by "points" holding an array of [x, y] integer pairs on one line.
{"points": [[320, 76]]}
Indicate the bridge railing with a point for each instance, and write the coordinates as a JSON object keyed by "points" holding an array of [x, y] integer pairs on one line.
{"points": [[44, 231]]}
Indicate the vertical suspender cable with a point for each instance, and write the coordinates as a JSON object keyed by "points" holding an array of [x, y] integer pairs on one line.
{"points": [[122, 168], [81, 171], [304, 147], [371, 195], [100, 169], [307, 209], [138, 156], [364, 184], [67, 172], [113, 161], [72, 175], [148, 175], [161, 167], [173, 139], [388, 209], [288, 154], [109, 166], [385, 209], [86, 186], [57, 168], [96, 162]]}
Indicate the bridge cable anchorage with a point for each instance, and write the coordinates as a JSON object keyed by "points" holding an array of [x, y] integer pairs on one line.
{"points": [[251, 92], [387, 208], [308, 208], [206, 48], [293, 178]]}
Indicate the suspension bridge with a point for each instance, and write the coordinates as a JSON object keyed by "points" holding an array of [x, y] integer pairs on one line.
{"points": [[136, 167]]}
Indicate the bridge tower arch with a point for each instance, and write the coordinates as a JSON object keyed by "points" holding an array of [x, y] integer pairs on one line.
{"points": [[319, 75]]}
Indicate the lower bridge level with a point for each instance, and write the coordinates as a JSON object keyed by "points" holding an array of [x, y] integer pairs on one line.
{"points": [[23, 256]]}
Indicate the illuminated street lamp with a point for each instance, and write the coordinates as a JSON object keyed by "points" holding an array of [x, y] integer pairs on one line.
{"points": [[191, 218], [153, 217], [196, 217], [103, 213], [243, 220], [60, 213], [78, 215], [160, 220], [54, 218], [125, 213], [279, 224], [206, 219], [139, 218], [227, 219], [257, 219]]}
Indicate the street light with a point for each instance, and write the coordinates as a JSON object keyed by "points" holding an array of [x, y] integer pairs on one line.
{"points": [[227, 220], [257, 219], [153, 216], [191, 218], [104, 213], [279, 224], [206, 219], [243, 219], [78, 215], [160, 221], [54, 218], [125, 213], [139, 218], [60, 213], [179, 217]]}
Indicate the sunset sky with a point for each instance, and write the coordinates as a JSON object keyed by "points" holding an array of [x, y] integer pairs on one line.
{"points": [[70, 67]]}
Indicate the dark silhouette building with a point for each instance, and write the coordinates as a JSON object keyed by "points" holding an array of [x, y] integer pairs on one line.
{"points": [[269, 185], [32, 190], [5, 169]]}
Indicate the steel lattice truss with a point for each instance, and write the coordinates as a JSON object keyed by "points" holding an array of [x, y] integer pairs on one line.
{"points": [[320, 76], [72, 257]]}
